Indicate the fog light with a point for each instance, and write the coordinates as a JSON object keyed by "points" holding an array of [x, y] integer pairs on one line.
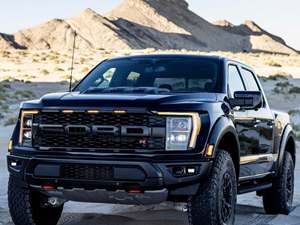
{"points": [[191, 171], [13, 164]]}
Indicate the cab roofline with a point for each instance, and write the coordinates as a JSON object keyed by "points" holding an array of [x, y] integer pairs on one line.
{"points": [[144, 56]]}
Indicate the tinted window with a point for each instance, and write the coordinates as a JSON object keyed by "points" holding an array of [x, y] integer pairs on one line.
{"points": [[249, 80], [234, 80], [174, 74]]}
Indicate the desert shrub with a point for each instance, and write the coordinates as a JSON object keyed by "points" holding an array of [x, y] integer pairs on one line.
{"points": [[3, 97], [36, 55], [282, 87], [59, 69], [294, 112], [271, 62], [5, 85], [82, 60], [23, 53], [53, 57], [10, 79], [277, 77], [45, 72], [5, 54], [262, 78], [294, 90], [66, 77], [3, 92], [283, 84], [10, 121], [4, 107], [25, 94], [29, 76], [298, 136]]}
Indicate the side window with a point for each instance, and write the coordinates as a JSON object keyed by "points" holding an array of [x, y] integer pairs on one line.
{"points": [[250, 81], [235, 82]]}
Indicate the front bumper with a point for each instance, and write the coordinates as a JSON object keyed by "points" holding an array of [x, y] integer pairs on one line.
{"points": [[109, 181]]}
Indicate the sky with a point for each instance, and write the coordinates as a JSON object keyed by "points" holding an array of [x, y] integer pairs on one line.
{"points": [[276, 16]]}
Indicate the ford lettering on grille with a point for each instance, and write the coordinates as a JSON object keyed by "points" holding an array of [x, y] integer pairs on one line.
{"points": [[55, 130]]}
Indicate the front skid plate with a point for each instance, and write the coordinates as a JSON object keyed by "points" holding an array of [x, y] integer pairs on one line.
{"points": [[104, 196]]}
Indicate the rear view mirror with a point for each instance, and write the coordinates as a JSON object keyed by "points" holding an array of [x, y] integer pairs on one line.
{"points": [[247, 99]]}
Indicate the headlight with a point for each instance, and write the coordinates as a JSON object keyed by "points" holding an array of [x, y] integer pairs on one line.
{"points": [[182, 130], [178, 133], [25, 137]]}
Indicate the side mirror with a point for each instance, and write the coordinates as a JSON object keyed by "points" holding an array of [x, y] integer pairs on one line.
{"points": [[247, 99]]}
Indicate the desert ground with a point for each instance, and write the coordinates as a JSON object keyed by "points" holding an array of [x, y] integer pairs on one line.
{"points": [[30, 74]]}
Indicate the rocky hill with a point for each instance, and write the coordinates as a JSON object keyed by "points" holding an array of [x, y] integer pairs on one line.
{"points": [[139, 24]]}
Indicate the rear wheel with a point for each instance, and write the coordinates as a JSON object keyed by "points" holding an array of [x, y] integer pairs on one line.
{"points": [[215, 204], [279, 198], [26, 208]]}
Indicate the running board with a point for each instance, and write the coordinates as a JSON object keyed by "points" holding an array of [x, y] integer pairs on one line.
{"points": [[254, 187]]}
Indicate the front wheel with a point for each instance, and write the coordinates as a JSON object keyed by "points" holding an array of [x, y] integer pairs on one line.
{"points": [[26, 208], [279, 198], [215, 203]]}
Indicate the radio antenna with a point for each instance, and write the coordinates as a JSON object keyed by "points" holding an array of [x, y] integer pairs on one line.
{"points": [[72, 65]]}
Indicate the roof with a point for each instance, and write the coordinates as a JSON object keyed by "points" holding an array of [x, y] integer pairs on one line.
{"points": [[159, 56], [170, 56]]}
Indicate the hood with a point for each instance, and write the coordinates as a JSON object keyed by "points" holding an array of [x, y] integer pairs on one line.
{"points": [[119, 100]]}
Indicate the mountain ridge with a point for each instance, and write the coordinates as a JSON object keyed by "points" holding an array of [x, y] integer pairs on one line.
{"points": [[140, 24]]}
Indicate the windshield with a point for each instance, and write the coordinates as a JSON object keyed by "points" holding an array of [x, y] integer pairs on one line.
{"points": [[154, 75]]}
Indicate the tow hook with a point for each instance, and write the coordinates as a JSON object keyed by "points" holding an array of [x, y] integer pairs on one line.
{"points": [[55, 202]]}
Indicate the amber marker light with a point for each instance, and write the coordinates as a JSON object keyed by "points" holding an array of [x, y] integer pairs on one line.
{"points": [[209, 150], [68, 111], [119, 111], [10, 145], [93, 111]]}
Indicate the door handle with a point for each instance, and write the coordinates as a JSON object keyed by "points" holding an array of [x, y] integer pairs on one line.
{"points": [[257, 121]]}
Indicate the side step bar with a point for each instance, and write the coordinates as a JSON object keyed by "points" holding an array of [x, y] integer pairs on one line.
{"points": [[254, 187]]}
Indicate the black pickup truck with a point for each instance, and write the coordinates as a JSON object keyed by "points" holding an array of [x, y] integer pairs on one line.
{"points": [[146, 129]]}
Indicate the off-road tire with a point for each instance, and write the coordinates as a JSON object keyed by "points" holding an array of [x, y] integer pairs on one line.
{"points": [[25, 206], [206, 207], [279, 198]]}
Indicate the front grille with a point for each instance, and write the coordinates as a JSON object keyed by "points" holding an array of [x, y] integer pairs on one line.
{"points": [[82, 118], [82, 172], [58, 137], [99, 142]]}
